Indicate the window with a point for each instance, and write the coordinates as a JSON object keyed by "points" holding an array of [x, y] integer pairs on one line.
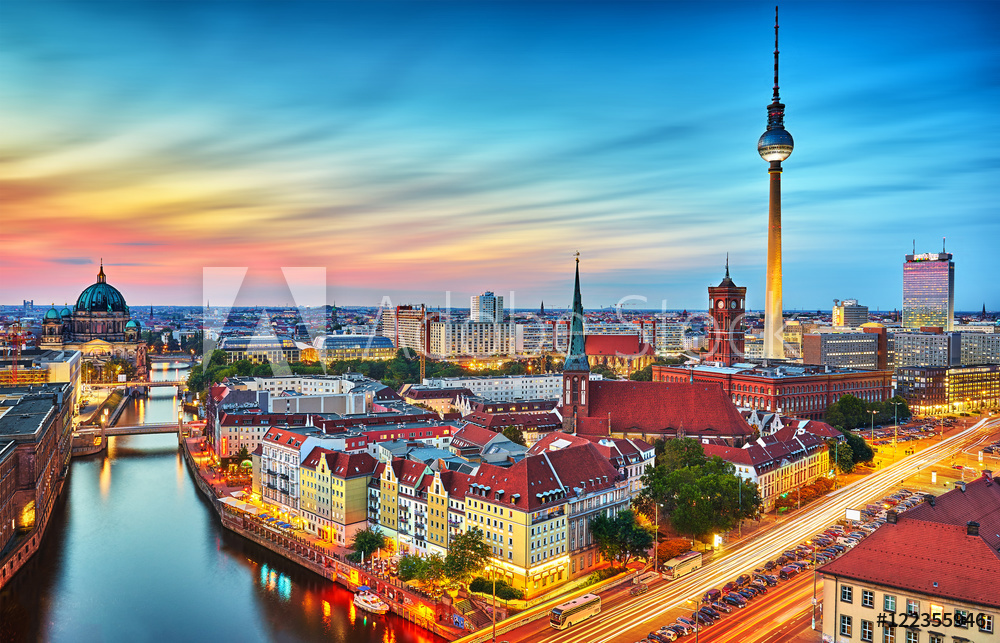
{"points": [[846, 594], [911, 637], [987, 625], [889, 603], [935, 638], [888, 635], [961, 618], [912, 606], [845, 625], [867, 598], [867, 631]]}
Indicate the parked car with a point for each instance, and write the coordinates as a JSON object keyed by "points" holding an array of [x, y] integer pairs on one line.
{"points": [[743, 580], [711, 595], [711, 613], [688, 622], [683, 627], [760, 585], [747, 594], [788, 572], [663, 636], [769, 565], [721, 607], [734, 600], [702, 619], [767, 578]]}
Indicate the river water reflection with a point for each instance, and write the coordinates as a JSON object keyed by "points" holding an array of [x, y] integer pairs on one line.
{"points": [[134, 553]]}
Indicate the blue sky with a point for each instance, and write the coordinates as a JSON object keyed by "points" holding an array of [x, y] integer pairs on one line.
{"points": [[414, 149]]}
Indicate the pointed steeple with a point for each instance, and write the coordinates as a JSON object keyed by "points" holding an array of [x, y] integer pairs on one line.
{"points": [[576, 358], [101, 277]]}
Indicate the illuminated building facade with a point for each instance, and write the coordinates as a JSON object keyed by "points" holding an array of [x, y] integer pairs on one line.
{"points": [[929, 291], [408, 327], [950, 390]]}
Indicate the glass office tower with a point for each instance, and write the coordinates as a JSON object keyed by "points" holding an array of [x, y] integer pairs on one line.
{"points": [[929, 291]]}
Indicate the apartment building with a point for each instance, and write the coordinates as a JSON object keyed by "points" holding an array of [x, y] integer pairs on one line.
{"points": [[776, 465], [939, 559], [507, 388], [334, 497]]}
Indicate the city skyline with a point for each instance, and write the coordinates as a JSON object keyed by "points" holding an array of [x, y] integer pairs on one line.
{"points": [[415, 149]]}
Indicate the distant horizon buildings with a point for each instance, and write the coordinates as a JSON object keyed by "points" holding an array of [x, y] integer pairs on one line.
{"points": [[929, 291]]}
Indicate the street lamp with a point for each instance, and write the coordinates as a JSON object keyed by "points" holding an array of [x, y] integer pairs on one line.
{"points": [[814, 586], [873, 412], [696, 620], [895, 434]]}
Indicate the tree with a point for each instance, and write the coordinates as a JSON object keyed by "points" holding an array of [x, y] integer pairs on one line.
{"points": [[515, 435], [432, 574], [860, 450], [700, 498], [409, 567], [620, 538], [243, 454], [678, 453], [467, 554], [368, 541], [841, 455]]}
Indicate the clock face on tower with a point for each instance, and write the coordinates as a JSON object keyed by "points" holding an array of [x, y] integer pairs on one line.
{"points": [[721, 304], [732, 304]]}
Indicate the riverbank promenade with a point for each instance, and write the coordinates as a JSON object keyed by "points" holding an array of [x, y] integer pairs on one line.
{"points": [[240, 513]]}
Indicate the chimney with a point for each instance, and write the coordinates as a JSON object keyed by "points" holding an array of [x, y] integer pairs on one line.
{"points": [[989, 477], [890, 517], [972, 528], [930, 499], [960, 485]]}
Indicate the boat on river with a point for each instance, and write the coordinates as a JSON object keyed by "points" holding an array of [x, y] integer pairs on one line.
{"points": [[369, 601]]}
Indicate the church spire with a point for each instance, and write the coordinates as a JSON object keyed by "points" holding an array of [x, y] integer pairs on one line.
{"points": [[727, 264], [576, 358], [101, 277]]}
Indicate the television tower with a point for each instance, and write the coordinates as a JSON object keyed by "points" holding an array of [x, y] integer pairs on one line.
{"points": [[774, 146]]}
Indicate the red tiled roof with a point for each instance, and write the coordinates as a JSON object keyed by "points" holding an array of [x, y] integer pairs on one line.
{"points": [[312, 460], [617, 346], [218, 392], [471, 435], [498, 421], [563, 439], [350, 465], [456, 483], [284, 438], [544, 480], [915, 555], [697, 408], [980, 502]]}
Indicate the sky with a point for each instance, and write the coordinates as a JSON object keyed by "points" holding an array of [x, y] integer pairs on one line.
{"points": [[419, 152]]}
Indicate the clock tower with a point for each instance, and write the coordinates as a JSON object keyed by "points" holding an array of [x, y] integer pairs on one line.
{"points": [[726, 304]]}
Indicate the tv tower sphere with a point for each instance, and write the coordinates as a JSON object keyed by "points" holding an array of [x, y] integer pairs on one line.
{"points": [[775, 145]]}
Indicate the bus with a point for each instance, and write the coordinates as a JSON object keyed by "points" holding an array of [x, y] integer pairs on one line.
{"points": [[574, 611], [683, 564]]}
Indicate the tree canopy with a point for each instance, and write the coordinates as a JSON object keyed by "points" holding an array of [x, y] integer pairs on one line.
{"points": [[620, 538], [368, 541], [467, 555], [699, 494], [515, 435], [850, 412]]}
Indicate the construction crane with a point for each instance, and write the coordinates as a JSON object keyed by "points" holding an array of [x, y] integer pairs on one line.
{"points": [[15, 337]]}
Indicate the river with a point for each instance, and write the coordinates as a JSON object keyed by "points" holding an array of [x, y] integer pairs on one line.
{"points": [[134, 553]]}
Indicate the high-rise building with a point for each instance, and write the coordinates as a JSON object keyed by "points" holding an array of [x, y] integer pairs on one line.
{"points": [[774, 146], [486, 307], [927, 349], [848, 313], [929, 291], [408, 327]]}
